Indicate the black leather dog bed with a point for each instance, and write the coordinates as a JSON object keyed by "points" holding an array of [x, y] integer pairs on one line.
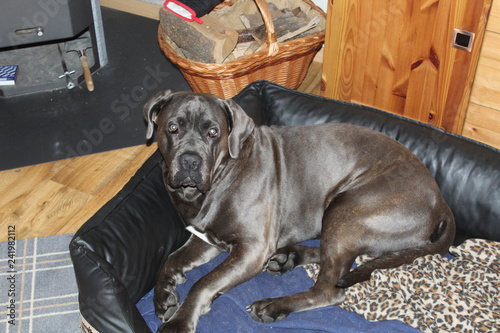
{"points": [[119, 252]]}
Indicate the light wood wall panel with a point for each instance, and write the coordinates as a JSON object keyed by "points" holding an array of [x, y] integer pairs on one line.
{"points": [[482, 121], [494, 21]]}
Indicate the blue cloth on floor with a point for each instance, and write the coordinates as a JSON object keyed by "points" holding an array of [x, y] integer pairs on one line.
{"points": [[228, 313]]}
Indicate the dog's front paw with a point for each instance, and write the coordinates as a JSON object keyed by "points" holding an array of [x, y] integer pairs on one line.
{"points": [[166, 301], [281, 263], [267, 311]]}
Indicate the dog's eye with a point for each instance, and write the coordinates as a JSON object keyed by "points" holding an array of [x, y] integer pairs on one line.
{"points": [[173, 128], [213, 132]]}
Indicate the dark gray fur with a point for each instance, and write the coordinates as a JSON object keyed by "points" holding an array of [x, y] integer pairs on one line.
{"points": [[256, 191]]}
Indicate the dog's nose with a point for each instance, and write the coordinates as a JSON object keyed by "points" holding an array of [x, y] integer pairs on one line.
{"points": [[190, 162]]}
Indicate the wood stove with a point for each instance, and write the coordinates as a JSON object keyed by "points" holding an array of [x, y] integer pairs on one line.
{"points": [[38, 35]]}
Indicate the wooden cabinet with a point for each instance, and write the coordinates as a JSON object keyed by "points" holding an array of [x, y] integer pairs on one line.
{"points": [[397, 55]]}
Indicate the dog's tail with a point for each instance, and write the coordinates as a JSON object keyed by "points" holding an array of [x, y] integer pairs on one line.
{"points": [[440, 241]]}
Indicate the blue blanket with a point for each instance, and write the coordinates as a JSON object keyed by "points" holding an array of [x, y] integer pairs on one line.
{"points": [[228, 313]]}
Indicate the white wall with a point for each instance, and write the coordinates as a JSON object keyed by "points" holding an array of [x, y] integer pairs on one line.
{"points": [[323, 4]]}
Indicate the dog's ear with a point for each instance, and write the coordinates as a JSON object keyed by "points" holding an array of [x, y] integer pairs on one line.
{"points": [[240, 127], [153, 108]]}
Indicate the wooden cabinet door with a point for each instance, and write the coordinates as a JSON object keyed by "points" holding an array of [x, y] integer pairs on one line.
{"points": [[397, 55]]}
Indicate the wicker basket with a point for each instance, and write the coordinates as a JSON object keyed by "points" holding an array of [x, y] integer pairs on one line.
{"points": [[284, 63]]}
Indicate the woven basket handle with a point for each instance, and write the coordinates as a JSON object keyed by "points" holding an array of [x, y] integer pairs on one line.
{"points": [[271, 41]]}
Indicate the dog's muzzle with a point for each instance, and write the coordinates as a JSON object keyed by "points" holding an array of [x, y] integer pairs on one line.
{"points": [[189, 171]]}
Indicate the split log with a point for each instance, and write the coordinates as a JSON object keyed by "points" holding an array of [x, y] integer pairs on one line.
{"points": [[255, 20], [209, 42], [282, 25]]}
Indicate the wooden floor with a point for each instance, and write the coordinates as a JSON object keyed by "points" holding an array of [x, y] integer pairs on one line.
{"points": [[58, 197]]}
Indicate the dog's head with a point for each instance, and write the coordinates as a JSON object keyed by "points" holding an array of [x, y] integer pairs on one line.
{"points": [[196, 133]]}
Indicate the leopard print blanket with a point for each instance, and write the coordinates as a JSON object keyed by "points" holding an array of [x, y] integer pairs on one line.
{"points": [[435, 294]]}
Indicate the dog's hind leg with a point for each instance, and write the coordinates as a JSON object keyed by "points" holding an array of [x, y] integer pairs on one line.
{"points": [[289, 257], [323, 293], [337, 253], [439, 242]]}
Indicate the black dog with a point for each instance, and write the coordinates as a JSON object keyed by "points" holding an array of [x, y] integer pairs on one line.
{"points": [[257, 191]]}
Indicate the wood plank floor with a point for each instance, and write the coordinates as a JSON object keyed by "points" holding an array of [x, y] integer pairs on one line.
{"points": [[58, 197]]}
